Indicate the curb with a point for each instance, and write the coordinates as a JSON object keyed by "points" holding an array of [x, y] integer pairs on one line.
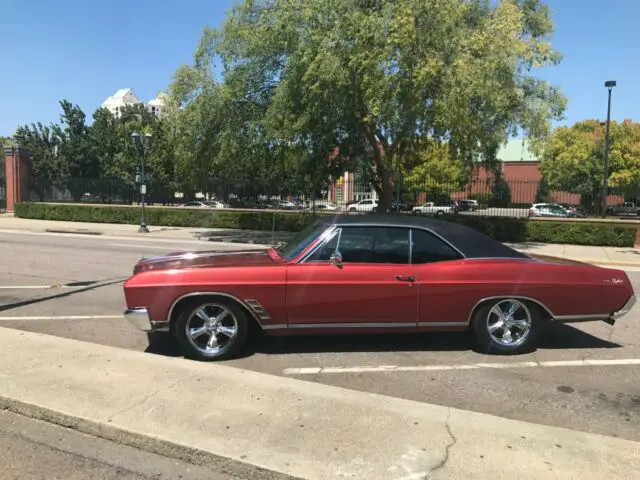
{"points": [[78, 231], [147, 443]]}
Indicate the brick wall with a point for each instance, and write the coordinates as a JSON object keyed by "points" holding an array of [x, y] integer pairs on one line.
{"points": [[18, 176]]}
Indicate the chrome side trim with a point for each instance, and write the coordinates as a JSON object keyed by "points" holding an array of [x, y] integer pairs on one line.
{"points": [[625, 309], [352, 325], [580, 318], [517, 297], [443, 324], [364, 325], [217, 294]]}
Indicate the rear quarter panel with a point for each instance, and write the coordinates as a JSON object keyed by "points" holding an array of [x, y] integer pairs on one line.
{"points": [[450, 290], [158, 290]]}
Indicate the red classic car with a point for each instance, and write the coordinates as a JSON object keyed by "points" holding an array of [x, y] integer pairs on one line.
{"points": [[349, 274]]}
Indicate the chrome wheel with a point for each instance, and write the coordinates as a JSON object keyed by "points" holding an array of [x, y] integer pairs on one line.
{"points": [[211, 328], [509, 323]]}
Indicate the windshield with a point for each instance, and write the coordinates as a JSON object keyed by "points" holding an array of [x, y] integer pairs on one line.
{"points": [[301, 240]]}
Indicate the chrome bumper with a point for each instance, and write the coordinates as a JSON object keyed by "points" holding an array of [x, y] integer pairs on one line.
{"points": [[139, 318], [626, 309]]}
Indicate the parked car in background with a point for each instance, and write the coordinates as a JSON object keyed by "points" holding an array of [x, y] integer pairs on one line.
{"points": [[363, 206], [574, 210], [548, 210], [401, 207], [217, 204], [323, 206], [284, 205], [624, 209], [196, 204], [373, 274], [467, 205], [437, 208]]}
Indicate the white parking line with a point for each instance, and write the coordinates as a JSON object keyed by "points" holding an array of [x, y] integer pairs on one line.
{"points": [[471, 366], [62, 317], [36, 287], [103, 237], [26, 287], [139, 246]]}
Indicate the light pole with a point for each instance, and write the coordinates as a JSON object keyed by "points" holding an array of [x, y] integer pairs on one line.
{"points": [[609, 84], [142, 149]]}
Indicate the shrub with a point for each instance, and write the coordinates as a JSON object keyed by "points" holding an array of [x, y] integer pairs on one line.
{"points": [[503, 229], [173, 217]]}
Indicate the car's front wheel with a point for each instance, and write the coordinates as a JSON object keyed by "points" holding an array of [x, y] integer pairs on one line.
{"points": [[507, 326], [211, 329]]}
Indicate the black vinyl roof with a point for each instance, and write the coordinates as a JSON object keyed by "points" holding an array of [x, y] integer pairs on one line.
{"points": [[470, 242]]}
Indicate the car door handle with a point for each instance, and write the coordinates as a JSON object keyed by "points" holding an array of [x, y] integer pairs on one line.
{"points": [[402, 278]]}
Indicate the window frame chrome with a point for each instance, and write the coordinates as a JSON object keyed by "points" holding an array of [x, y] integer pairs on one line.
{"points": [[329, 233]]}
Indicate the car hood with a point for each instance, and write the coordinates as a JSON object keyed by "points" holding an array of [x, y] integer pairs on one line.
{"points": [[550, 259], [214, 258]]}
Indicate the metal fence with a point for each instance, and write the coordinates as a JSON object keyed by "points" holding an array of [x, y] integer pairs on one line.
{"points": [[512, 198]]}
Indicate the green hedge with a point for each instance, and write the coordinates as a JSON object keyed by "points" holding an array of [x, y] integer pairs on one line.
{"points": [[576, 233], [501, 228], [172, 217]]}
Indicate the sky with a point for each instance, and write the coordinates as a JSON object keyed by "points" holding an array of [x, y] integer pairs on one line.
{"points": [[84, 51]]}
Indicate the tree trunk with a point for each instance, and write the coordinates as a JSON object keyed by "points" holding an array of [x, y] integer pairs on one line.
{"points": [[385, 187]]}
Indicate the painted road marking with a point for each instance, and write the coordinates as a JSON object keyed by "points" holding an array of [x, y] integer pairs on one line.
{"points": [[472, 366], [139, 246], [104, 237], [36, 287], [62, 317]]}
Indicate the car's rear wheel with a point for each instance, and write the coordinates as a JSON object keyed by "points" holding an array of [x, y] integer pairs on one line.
{"points": [[211, 329], [439, 212], [507, 326]]}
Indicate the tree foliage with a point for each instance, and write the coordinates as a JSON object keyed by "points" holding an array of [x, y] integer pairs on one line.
{"points": [[374, 79], [573, 158], [75, 154]]}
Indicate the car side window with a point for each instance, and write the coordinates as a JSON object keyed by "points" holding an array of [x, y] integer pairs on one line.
{"points": [[428, 248], [367, 245]]}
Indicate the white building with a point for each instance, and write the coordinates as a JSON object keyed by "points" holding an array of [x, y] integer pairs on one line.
{"points": [[125, 96], [156, 106]]}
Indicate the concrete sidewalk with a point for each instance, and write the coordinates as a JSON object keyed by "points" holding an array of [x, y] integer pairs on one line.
{"points": [[244, 419], [614, 256]]}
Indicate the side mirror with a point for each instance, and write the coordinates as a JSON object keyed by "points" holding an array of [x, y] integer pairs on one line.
{"points": [[336, 259]]}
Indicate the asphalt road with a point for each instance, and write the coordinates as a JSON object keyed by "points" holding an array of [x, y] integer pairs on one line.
{"points": [[35, 450], [600, 397]]}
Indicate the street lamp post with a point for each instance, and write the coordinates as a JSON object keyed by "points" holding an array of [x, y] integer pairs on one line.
{"points": [[142, 149], [609, 84]]}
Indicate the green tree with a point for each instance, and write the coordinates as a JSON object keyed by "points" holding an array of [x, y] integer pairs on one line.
{"points": [[573, 159], [432, 170], [374, 78], [542, 192], [43, 142], [500, 191]]}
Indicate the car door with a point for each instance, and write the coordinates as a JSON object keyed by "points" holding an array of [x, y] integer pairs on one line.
{"points": [[372, 287], [438, 269]]}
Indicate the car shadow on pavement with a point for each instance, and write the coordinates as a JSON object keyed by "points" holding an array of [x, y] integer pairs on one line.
{"points": [[555, 336], [563, 336]]}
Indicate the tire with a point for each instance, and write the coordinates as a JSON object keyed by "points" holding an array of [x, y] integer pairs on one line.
{"points": [[230, 330], [439, 212], [527, 315], [352, 209]]}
